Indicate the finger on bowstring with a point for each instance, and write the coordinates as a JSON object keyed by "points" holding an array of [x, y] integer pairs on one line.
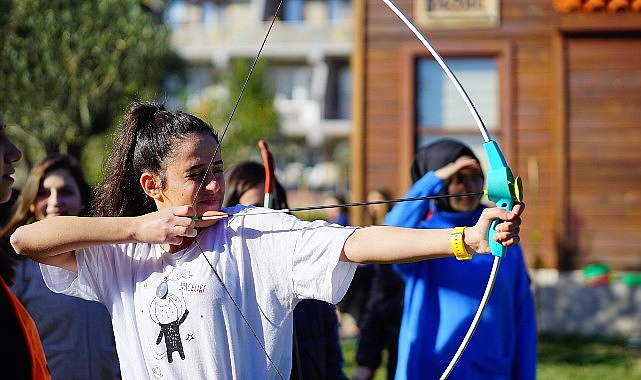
{"points": [[186, 231], [185, 210], [173, 239]]}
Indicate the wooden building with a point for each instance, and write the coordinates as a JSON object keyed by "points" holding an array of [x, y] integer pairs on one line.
{"points": [[558, 84]]}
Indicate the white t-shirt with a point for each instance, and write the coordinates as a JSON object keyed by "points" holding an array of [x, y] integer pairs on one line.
{"points": [[194, 329]]}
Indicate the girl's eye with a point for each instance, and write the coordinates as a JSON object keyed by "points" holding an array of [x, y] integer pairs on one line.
{"points": [[67, 192], [217, 171]]}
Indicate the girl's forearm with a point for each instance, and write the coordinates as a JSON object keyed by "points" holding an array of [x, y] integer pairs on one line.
{"points": [[385, 244], [50, 237]]}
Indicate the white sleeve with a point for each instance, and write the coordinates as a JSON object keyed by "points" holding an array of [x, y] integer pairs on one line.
{"points": [[317, 270], [63, 281], [296, 256], [102, 270]]}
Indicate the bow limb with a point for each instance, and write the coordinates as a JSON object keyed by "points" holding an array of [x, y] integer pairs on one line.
{"points": [[502, 188], [268, 163]]}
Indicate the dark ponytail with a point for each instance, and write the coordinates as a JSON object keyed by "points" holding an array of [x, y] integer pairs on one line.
{"points": [[145, 138]]}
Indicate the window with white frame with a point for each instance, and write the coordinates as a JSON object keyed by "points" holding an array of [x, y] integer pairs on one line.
{"points": [[440, 110], [290, 81]]}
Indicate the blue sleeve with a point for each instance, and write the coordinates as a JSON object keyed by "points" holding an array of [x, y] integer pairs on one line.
{"points": [[525, 357], [409, 214]]}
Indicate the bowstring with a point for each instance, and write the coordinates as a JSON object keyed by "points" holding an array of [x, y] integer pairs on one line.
{"points": [[240, 95], [385, 201], [251, 329], [202, 182], [351, 204]]}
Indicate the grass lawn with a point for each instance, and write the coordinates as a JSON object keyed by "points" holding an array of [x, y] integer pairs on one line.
{"points": [[563, 357]]}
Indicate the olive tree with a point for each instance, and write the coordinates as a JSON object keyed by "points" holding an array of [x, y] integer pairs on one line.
{"points": [[68, 68]]}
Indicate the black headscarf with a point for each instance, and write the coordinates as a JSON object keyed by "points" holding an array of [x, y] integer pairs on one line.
{"points": [[436, 155]]}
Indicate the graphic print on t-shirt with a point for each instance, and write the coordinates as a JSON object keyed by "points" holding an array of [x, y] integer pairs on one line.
{"points": [[168, 310]]}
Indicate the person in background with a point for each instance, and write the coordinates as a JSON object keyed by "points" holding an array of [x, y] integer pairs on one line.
{"points": [[353, 304], [317, 352], [246, 186], [442, 296], [381, 319], [21, 353], [338, 215], [199, 291], [76, 334], [376, 212]]}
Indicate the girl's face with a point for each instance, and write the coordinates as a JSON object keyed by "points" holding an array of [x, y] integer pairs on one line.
{"points": [[376, 211], [8, 154], [58, 194], [332, 213], [465, 180], [254, 196], [186, 170]]}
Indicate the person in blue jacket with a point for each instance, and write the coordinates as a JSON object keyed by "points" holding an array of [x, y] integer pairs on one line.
{"points": [[442, 295]]}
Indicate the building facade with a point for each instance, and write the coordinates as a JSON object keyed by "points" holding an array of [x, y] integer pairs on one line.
{"points": [[558, 85], [307, 53], [556, 82]]}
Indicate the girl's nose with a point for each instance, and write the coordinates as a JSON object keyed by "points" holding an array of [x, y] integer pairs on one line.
{"points": [[54, 198], [213, 183], [13, 154]]}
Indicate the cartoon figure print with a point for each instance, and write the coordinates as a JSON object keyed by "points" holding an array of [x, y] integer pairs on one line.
{"points": [[169, 313]]}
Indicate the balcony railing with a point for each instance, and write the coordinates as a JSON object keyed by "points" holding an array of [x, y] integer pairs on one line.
{"points": [[238, 33]]}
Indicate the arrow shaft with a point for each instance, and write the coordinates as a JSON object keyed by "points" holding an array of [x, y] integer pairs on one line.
{"points": [[352, 204]]}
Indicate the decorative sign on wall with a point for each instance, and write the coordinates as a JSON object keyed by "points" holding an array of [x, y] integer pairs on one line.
{"points": [[457, 13]]}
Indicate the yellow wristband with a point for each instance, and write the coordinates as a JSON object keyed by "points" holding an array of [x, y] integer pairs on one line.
{"points": [[458, 247]]}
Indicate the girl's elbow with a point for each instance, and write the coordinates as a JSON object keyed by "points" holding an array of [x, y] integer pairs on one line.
{"points": [[17, 242], [344, 258]]}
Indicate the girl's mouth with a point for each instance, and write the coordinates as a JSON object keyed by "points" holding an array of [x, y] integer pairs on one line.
{"points": [[210, 202]]}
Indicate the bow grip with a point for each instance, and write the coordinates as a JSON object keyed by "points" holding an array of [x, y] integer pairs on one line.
{"points": [[502, 189], [497, 248]]}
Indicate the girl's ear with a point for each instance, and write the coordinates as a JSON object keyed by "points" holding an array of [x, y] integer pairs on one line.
{"points": [[150, 185]]}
